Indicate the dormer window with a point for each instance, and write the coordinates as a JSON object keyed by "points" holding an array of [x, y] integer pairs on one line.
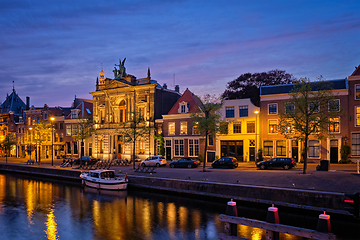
{"points": [[74, 113], [183, 107]]}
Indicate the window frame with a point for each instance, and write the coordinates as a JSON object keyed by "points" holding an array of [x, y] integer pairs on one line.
{"points": [[313, 149], [276, 108], [355, 92], [245, 110], [171, 128], [276, 128], [332, 123], [338, 107], [228, 110], [268, 149], [183, 126], [237, 125]]}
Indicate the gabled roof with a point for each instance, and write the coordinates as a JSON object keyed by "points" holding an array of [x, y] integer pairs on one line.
{"points": [[13, 103], [192, 101], [357, 71], [85, 109], [286, 88]]}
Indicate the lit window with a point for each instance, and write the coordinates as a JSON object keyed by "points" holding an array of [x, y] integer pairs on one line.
{"points": [[243, 111], [357, 92], [196, 130], [237, 127], [272, 126], [68, 130], [250, 126], [171, 128], [334, 126], [183, 128], [357, 116], [272, 108], [141, 146], [230, 113]]}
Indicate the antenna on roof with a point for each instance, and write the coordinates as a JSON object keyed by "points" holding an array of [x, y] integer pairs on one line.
{"points": [[13, 87], [174, 79], [101, 66]]}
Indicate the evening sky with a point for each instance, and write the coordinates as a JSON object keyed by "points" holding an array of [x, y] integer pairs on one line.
{"points": [[54, 50]]}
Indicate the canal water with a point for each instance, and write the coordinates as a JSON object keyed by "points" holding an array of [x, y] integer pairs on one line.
{"points": [[35, 209]]}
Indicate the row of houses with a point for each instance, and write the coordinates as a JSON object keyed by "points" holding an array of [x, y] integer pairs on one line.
{"points": [[168, 112]]}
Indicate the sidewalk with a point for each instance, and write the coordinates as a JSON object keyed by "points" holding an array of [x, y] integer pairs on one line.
{"points": [[340, 178]]}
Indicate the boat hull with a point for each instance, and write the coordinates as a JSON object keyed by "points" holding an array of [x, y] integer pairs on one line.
{"points": [[105, 185]]}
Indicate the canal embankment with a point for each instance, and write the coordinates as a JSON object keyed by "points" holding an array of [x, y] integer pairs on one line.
{"points": [[293, 198]]}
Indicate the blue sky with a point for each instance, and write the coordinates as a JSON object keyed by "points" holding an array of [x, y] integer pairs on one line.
{"points": [[53, 50]]}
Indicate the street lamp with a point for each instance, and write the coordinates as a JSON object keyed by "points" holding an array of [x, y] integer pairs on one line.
{"points": [[52, 141], [30, 128], [256, 141]]}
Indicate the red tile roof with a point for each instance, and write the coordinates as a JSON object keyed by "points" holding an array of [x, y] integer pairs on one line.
{"points": [[191, 99]]}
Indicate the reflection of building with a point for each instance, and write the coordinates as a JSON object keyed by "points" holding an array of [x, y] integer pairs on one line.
{"points": [[241, 140], [114, 102], [180, 137], [11, 111]]}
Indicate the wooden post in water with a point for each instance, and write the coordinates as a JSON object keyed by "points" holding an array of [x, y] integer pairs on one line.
{"points": [[272, 217], [231, 210]]}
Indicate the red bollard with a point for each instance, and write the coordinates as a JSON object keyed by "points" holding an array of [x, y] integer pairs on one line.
{"points": [[231, 210], [272, 217], [324, 223]]}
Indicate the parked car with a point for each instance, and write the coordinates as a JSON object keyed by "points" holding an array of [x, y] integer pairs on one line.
{"points": [[225, 162], [185, 162], [286, 163], [154, 161], [85, 159]]}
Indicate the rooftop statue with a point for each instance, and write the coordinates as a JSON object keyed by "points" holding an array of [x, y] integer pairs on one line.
{"points": [[121, 73]]}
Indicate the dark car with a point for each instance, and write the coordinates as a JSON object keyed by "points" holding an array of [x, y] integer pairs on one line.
{"points": [[225, 162], [185, 162], [286, 163], [85, 160]]}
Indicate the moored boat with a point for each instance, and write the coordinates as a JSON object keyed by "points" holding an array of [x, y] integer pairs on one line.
{"points": [[104, 179]]}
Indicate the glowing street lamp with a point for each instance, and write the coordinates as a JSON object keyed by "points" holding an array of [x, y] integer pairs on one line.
{"points": [[256, 145], [30, 128], [52, 141]]}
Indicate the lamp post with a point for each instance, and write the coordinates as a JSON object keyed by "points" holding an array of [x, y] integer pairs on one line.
{"points": [[256, 141], [30, 128], [52, 141]]}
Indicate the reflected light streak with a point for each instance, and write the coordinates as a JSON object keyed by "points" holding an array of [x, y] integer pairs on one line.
{"points": [[171, 219], [146, 219], [183, 214], [30, 201], [2, 191], [51, 228]]}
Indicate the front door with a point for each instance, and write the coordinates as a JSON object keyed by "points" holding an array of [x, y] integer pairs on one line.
{"points": [[334, 156], [119, 147], [295, 150], [252, 153]]}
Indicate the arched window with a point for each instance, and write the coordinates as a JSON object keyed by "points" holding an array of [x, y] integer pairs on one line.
{"points": [[122, 109], [141, 146]]}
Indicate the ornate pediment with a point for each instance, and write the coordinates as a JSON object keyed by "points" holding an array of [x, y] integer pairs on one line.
{"points": [[117, 84]]}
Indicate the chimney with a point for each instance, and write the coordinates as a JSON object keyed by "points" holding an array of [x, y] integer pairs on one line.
{"points": [[27, 103], [165, 86], [177, 88]]}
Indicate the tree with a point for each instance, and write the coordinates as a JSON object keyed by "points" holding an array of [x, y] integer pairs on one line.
{"points": [[41, 132], [247, 85], [161, 150], [7, 143], [207, 120], [134, 129], [84, 131], [309, 111]]}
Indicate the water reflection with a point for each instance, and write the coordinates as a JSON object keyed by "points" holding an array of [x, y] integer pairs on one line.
{"points": [[37, 209]]}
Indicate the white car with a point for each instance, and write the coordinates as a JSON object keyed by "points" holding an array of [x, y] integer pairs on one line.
{"points": [[154, 161]]}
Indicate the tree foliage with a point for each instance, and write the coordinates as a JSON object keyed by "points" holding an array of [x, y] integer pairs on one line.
{"points": [[207, 121], [161, 150], [309, 111], [134, 129], [84, 130], [7, 143], [42, 131], [247, 85]]}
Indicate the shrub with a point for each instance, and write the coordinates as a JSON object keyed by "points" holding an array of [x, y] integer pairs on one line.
{"points": [[344, 152]]}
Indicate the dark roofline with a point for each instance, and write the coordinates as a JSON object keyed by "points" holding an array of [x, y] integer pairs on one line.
{"points": [[286, 88]]}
